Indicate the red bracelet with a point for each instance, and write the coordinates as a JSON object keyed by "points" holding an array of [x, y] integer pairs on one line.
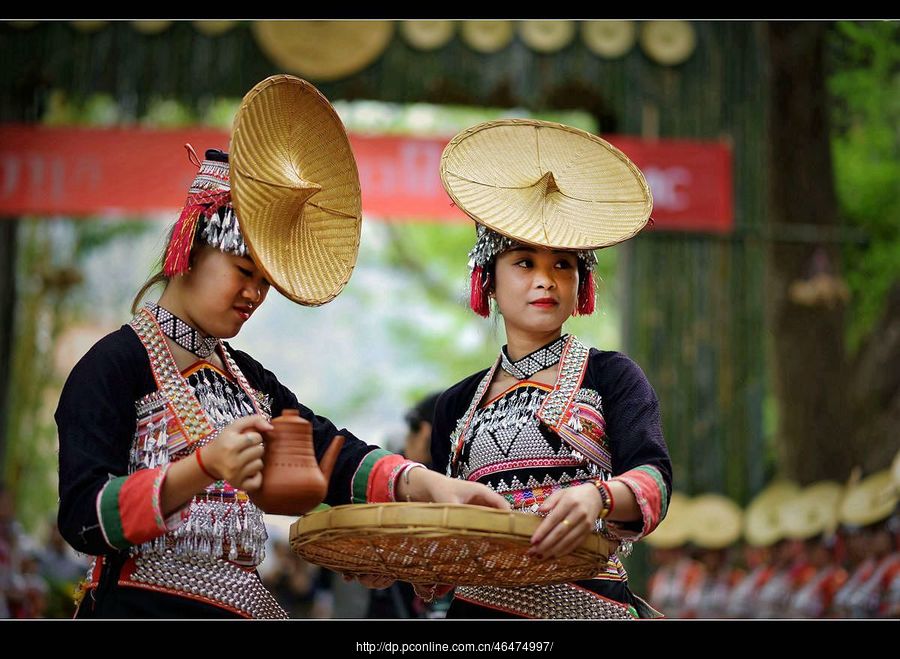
{"points": [[203, 468]]}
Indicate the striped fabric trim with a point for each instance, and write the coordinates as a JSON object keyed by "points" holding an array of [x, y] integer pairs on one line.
{"points": [[572, 367], [380, 488], [392, 483], [527, 463], [530, 496], [649, 491], [201, 364], [584, 431], [359, 484], [614, 570], [108, 513], [661, 484], [141, 522], [192, 419]]}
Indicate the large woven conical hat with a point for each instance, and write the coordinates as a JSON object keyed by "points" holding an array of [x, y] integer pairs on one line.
{"points": [[427, 35], [609, 39], [668, 42], [323, 50], [715, 521], [872, 500], [546, 36], [813, 511], [762, 518], [295, 189], [546, 184]]}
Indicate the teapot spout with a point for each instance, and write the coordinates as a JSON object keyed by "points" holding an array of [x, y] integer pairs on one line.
{"points": [[330, 457]]}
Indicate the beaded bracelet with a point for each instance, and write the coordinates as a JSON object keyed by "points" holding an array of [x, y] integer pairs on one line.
{"points": [[606, 498], [202, 467], [612, 502]]}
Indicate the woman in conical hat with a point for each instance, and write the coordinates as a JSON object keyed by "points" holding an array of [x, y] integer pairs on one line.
{"points": [[557, 428], [160, 422]]}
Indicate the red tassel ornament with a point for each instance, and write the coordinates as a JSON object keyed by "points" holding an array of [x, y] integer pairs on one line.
{"points": [[585, 297], [478, 297], [178, 253]]}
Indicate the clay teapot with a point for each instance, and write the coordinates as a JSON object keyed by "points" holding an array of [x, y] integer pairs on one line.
{"points": [[292, 482]]}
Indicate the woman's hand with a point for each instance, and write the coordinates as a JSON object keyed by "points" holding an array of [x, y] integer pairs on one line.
{"points": [[236, 454], [572, 514], [430, 486]]}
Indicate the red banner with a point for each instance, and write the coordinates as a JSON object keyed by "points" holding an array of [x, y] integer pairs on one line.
{"points": [[128, 171]]}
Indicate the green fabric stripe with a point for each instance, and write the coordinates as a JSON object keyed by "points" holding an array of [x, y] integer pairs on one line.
{"points": [[361, 477], [661, 484], [110, 515]]}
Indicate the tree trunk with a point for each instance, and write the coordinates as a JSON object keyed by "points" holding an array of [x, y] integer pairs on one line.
{"points": [[875, 390], [810, 367]]}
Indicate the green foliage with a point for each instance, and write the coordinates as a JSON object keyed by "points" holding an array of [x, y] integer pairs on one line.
{"points": [[865, 84], [379, 118], [220, 112], [168, 113]]}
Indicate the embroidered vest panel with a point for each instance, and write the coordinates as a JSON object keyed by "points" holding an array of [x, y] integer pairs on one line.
{"points": [[182, 415]]}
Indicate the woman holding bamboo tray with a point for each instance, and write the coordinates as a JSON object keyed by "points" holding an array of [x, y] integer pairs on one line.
{"points": [[557, 428], [161, 422]]}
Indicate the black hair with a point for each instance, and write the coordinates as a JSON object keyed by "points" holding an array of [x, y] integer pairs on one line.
{"points": [[421, 412]]}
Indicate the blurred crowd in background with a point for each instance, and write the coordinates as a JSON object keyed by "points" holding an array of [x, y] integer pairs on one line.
{"points": [[824, 551]]}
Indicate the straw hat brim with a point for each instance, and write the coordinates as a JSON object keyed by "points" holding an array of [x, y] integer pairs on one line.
{"points": [[323, 50], [762, 518], [609, 39], [546, 184], [427, 35], [487, 36], [295, 189], [871, 501], [813, 512], [546, 36], [715, 521], [214, 28], [668, 42]]}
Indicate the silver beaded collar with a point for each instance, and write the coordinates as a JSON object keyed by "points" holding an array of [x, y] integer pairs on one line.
{"points": [[533, 362], [181, 333]]}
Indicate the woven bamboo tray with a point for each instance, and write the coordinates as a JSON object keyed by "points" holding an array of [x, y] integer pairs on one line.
{"points": [[427, 543]]}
